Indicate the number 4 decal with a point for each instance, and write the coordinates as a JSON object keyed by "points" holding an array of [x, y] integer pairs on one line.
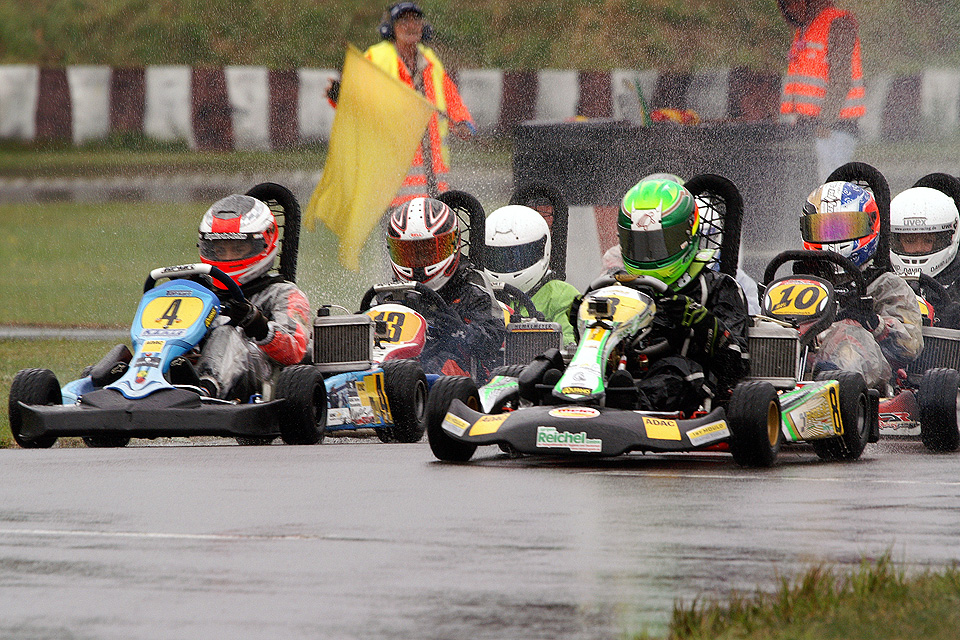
{"points": [[170, 315]]}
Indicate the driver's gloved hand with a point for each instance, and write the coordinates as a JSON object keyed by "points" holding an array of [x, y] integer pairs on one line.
{"points": [[447, 322], [685, 313], [248, 317], [867, 318]]}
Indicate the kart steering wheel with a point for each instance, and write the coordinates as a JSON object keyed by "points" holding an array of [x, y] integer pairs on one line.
{"points": [[629, 280], [187, 270], [507, 293], [432, 297]]}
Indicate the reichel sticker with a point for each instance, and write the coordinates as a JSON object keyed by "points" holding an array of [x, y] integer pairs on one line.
{"points": [[550, 438]]}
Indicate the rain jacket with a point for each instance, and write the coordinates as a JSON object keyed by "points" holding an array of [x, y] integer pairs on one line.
{"points": [[229, 356], [453, 349], [896, 341]]}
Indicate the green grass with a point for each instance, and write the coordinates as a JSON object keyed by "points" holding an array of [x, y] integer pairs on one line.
{"points": [[83, 265], [876, 601], [897, 35]]}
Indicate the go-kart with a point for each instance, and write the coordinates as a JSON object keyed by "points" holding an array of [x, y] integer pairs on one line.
{"points": [[924, 401], [156, 395], [568, 409], [373, 379]]}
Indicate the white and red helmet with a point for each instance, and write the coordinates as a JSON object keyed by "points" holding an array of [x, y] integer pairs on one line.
{"points": [[841, 217], [424, 240], [239, 235]]}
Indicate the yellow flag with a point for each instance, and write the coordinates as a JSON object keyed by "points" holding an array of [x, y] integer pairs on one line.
{"points": [[376, 131]]}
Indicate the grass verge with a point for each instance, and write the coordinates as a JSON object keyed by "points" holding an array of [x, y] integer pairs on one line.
{"points": [[875, 601]]}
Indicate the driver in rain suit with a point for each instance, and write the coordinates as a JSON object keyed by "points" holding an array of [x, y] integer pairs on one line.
{"points": [[271, 328], [703, 315], [843, 217], [424, 241]]}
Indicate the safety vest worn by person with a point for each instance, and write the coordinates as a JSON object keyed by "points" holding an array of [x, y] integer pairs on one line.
{"points": [[808, 71], [439, 89]]}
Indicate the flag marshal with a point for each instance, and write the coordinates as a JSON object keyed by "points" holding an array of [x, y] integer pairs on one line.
{"points": [[376, 130]]}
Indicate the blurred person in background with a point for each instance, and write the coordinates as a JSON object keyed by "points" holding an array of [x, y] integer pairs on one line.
{"points": [[824, 88], [402, 54]]}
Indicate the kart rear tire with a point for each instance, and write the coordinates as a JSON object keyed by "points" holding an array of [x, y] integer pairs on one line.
{"points": [[406, 388], [939, 407], [106, 441], [303, 417], [854, 411], [509, 370], [445, 390], [753, 415], [32, 386]]}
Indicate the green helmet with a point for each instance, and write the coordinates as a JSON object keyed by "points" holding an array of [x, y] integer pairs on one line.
{"points": [[658, 226]]}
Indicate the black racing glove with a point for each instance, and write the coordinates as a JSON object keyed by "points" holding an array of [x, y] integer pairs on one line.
{"points": [[865, 316], [686, 315], [573, 315], [248, 317], [446, 323]]}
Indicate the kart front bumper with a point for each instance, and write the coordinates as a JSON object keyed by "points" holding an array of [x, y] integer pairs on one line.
{"points": [[173, 413], [567, 430]]}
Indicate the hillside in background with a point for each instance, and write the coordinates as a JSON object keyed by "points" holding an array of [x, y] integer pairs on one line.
{"points": [[898, 35]]}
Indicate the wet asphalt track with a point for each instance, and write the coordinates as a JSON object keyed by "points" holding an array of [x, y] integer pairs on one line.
{"points": [[356, 539]]}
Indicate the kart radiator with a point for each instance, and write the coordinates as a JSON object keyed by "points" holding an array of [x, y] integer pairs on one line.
{"points": [[527, 340], [941, 348], [774, 354], [343, 343]]}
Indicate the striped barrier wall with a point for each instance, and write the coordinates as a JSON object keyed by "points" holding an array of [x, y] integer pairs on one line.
{"points": [[246, 107]]}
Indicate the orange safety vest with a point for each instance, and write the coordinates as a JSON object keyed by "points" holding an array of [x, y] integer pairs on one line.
{"points": [[808, 72], [439, 89]]}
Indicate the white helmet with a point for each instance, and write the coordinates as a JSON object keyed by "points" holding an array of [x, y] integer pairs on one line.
{"points": [[239, 235], [923, 231], [517, 247]]}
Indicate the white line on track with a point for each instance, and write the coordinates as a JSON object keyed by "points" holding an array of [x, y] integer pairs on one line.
{"points": [[218, 537], [705, 476]]}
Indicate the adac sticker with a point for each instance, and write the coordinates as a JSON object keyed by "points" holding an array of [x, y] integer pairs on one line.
{"points": [[488, 424], [574, 412], [661, 428], [550, 438], [455, 424], [708, 433]]}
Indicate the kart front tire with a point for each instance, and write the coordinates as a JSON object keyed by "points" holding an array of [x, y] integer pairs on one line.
{"points": [[854, 414], [939, 406], [406, 388], [753, 415], [444, 391], [303, 415], [32, 386]]}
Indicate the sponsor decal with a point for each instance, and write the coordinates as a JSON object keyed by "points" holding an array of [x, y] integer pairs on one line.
{"points": [[579, 391], [455, 424], [708, 433], [897, 421], [141, 376], [488, 424], [914, 222], [819, 416], [574, 412], [550, 438], [162, 333], [210, 316], [661, 428], [153, 346], [178, 268], [337, 416]]}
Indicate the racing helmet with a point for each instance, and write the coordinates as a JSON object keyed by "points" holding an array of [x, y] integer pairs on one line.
{"points": [[923, 231], [424, 240], [239, 235], [841, 217], [658, 225], [517, 247]]}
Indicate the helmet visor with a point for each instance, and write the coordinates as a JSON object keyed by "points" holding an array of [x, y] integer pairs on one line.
{"points": [[229, 247], [835, 226], [920, 244], [515, 258], [653, 245], [422, 252]]}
